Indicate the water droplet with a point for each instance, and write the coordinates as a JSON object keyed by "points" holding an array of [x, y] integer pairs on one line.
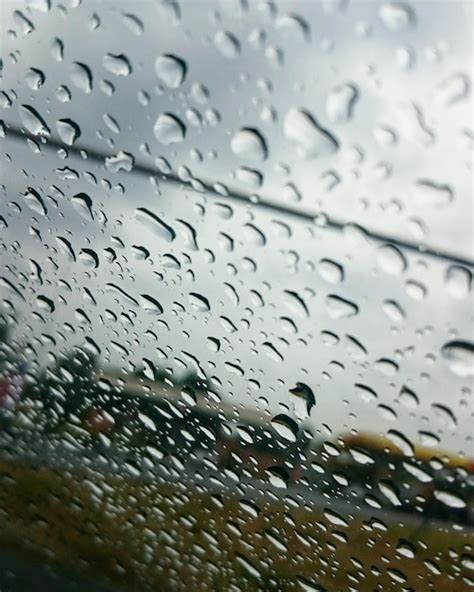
{"points": [[227, 44], [117, 64], [415, 290], [401, 442], [460, 357], [393, 311], [68, 131], [248, 143], [83, 204], [408, 398], [312, 140], [453, 89], [286, 427], [397, 16], [386, 367], [34, 78], [155, 224], [272, 352], [331, 271], [81, 77], [169, 129], [391, 260], [33, 121], [414, 125], [133, 23], [121, 161], [249, 177], [339, 308], [340, 102], [303, 400], [199, 302], [150, 304], [170, 70], [449, 499], [458, 281], [35, 201], [278, 477], [427, 193]]}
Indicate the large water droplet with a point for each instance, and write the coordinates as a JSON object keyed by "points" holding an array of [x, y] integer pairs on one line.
{"points": [[391, 259], [169, 129], [170, 70], [312, 140], [397, 16], [340, 102], [81, 77], [227, 44], [460, 357], [68, 131], [33, 121], [155, 224], [248, 143], [117, 64]]}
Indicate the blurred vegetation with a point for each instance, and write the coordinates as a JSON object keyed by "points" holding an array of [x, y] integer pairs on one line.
{"points": [[151, 536]]}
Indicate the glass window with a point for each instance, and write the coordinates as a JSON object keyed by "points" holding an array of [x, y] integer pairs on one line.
{"points": [[236, 321]]}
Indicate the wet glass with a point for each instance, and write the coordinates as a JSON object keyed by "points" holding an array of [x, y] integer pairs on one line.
{"points": [[236, 321]]}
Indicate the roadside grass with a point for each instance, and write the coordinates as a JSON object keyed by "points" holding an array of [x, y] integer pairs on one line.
{"points": [[164, 537]]}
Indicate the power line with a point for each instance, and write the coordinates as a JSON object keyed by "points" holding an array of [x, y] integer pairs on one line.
{"points": [[285, 210]]}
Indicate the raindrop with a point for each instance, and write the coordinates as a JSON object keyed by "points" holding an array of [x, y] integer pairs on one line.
{"points": [[169, 129], [393, 311], [285, 426], [331, 271], [272, 352], [121, 161], [35, 201], [248, 143], [150, 304], [68, 131], [340, 103], [386, 367], [340, 308], [45, 303], [458, 281], [429, 193], [83, 204], [460, 357], [391, 260], [170, 70], [303, 400], [402, 442], [278, 477], [81, 77], [449, 499], [312, 140], [117, 64], [33, 121], [408, 398], [156, 224], [454, 89], [227, 44], [34, 78], [199, 302], [397, 16], [249, 177]]}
